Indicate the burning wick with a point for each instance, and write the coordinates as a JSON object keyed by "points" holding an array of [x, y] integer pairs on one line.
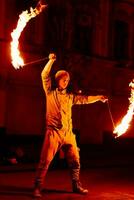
{"points": [[124, 125], [24, 17]]}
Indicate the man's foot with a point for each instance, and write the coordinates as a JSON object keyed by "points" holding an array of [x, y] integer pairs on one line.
{"points": [[37, 193], [77, 188]]}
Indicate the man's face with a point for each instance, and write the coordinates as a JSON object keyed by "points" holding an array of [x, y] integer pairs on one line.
{"points": [[63, 82]]}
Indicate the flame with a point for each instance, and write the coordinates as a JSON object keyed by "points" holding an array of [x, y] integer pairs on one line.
{"points": [[125, 123], [24, 17]]}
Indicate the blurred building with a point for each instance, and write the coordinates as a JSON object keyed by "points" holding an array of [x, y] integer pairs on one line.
{"points": [[93, 40]]}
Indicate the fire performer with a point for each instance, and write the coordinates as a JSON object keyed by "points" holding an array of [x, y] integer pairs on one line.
{"points": [[59, 127]]}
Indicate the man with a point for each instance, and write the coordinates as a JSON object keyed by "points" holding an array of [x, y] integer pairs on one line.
{"points": [[59, 126]]}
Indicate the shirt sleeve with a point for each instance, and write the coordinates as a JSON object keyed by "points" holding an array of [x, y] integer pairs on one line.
{"points": [[83, 99], [45, 75]]}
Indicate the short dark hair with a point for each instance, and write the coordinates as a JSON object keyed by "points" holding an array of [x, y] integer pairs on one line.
{"points": [[60, 74]]}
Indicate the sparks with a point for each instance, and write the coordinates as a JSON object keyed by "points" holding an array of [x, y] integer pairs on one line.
{"points": [[125, 123], [24, 17]]}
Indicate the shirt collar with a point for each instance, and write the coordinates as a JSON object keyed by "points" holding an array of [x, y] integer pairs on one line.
{"points": [[61, 91]]}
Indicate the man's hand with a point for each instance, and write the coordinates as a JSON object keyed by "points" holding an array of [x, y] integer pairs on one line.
{"points": [[52, 56], [103, 98]]}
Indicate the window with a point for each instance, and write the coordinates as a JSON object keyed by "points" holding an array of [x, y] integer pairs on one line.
{"points": [[82, 39], [120, 40]]}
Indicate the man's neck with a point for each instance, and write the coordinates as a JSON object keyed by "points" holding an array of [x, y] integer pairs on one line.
{"points": [[63, 91]]}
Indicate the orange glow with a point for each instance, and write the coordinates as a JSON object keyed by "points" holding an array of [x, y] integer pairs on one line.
{"points": [[24, 17], [125, 122]]}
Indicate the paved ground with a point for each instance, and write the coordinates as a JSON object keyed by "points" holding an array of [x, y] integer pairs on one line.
{"points": [[107, 171], [104, 183]]}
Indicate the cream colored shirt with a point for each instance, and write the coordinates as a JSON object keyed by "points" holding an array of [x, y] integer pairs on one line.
{"points": [[59, 104]]}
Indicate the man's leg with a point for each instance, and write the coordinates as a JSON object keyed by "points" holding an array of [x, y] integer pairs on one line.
{"points": [[48, 152], [73, 158]]}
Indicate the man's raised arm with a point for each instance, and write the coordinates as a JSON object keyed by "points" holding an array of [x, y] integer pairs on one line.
{"points": [[45, 74]]}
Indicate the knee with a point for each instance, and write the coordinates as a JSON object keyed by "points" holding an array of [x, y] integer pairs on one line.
{"points": [[44, 164]]}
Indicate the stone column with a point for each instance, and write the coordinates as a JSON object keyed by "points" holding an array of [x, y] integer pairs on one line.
{"points": [[102, 29]]}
